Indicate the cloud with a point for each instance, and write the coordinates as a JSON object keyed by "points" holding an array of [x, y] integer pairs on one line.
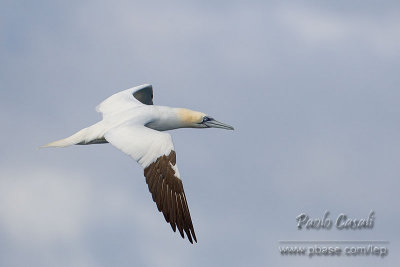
{"points": [[58, 217], [42, 210], [51, 203], [321, 27]]}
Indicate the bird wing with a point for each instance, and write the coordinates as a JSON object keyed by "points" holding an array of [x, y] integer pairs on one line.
{"points": [[154, 151], [132, 97]]}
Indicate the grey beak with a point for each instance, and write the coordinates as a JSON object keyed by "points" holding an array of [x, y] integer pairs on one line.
{"points": [[216, 124]]}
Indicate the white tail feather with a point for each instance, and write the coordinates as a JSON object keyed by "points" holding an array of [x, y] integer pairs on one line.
{"points": [[72, 140]]}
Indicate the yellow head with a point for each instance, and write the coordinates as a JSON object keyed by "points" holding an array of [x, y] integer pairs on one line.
{"points": [[191, 118]]}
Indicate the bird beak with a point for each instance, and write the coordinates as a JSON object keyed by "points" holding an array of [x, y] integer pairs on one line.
{"points": [[216, 124]]}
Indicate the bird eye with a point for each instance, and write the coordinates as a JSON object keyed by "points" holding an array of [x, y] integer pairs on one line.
{"points": [[205, 118]]}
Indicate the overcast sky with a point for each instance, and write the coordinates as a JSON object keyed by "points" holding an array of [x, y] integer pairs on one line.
{"points": [[311, 87]]}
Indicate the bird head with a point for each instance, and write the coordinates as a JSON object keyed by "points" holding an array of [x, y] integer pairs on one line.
{"points": [[195, 119]]}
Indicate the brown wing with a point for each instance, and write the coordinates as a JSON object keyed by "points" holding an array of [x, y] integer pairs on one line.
{"points": [[167, 192]]}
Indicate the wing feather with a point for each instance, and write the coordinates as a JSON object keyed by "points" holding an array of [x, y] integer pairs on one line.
{"points": [[155, 152], [129, 98]]}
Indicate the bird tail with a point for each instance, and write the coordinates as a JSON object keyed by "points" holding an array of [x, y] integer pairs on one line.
{"points": [[72, 140]]}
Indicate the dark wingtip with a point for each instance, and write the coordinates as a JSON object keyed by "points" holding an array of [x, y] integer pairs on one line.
{"points": [[168, 194], [194, 237]]}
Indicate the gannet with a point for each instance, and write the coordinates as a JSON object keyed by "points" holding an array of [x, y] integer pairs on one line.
{"points": [[135, 126]]}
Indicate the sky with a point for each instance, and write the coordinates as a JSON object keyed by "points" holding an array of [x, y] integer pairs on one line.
{"points": [[311, 87]]}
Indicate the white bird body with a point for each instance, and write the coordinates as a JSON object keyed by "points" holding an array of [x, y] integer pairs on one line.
{"points": [[134, 125]]}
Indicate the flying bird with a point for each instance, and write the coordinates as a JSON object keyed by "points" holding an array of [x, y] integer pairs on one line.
{"points": [[135, 126]]}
